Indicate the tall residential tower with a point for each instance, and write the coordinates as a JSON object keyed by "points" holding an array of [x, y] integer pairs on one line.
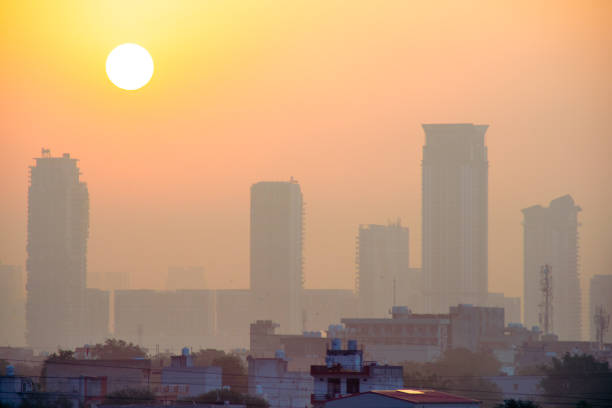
{"points": [[551, 238], [276, 253], [382, 259], [455, 214], [58, 229]]}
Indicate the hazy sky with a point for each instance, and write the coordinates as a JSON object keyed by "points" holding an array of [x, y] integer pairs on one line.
{"points": [[332, 93]]}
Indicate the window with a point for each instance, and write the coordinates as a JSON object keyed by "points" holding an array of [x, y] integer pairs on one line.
{"points": [[352, 385], [333, 386]]}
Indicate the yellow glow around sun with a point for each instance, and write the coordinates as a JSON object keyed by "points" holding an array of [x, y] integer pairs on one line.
{"points": [[129, 66]]}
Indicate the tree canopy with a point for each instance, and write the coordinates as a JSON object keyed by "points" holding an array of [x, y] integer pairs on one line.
{"points": [[512, 403], [458, 371], [233, 397], [578, 379], [129, 396], [114, 349]]}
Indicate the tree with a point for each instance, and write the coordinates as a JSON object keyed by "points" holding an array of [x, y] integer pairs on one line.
{"points": [[205, 358], [114, 349], [234, 372], [512, 403], [578, 379], [231, 396], [458, 371], [129, 396], [60, 355]]}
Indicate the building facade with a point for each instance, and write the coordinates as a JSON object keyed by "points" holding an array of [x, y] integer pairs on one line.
{"points": [[403, 337], [58, 230], [382, 259], [345, 373], [271, 379], [455, 215], [276, 253], [551, 238]]}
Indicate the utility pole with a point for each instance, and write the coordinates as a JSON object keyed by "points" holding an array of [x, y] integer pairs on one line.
{"points": [[546, 306], [601, 319]]}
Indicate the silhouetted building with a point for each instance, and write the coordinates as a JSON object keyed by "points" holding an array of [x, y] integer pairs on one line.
{"points": [[551, 238], [165, 318], [455, 213], [276, 252], [301, 350], [511, 306], [58, 228], [403, 398], [234, 314], [12, 305], [405, 336], [182, 379], [97, 315], [382, 257], [185, 277], [323, 307], [601, 297], [473, 327]]}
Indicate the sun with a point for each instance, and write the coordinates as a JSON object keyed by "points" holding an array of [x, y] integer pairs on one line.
{"points": [[129, 66]]}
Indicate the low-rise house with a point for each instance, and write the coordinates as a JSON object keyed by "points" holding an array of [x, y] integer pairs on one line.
{"points": [[119, 374], [14, 388], [346, 373], [183, 380], [403, 398], [270, 379]]}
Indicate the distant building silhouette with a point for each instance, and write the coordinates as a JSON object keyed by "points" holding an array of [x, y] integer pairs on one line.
{"points": [[12, 305], [551, 238], [276, 252], [58, 229], [185, 277], [600, 296], [383, 258], [455, 214]]}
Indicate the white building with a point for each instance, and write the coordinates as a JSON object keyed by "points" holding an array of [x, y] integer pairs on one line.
{"points": [[346, 373], [455, 215], [182, 379], [551, 238], [270, 379]]}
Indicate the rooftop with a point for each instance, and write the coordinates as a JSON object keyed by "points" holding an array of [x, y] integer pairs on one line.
{"points": [[419, 396]]}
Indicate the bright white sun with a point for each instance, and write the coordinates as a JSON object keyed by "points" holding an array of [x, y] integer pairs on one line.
{"points": [[129, 66]]}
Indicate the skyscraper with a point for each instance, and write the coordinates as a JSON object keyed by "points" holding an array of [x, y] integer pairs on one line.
{"points": [[455, 214], [383, 259], [276, 253], [58, 229], [551, 238]]}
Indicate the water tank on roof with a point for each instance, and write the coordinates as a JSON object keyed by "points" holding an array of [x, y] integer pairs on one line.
{"points": [[279, 354], [352, 345], [10, 371], [336, 344], [185, 351]]}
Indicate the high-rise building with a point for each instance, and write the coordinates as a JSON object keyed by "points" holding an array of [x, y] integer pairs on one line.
{"points": [[455, 214], [95, 328], [185, 277], [58, 229], [276, 253], [600, 298], [383, 258], [12, 305], [551, 238]]}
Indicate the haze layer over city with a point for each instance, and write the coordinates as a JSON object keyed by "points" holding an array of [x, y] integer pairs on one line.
{"points": [[303, 163]]}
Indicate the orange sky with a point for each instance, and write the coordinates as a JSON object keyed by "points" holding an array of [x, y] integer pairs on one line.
{"points": [[330, 92]]}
